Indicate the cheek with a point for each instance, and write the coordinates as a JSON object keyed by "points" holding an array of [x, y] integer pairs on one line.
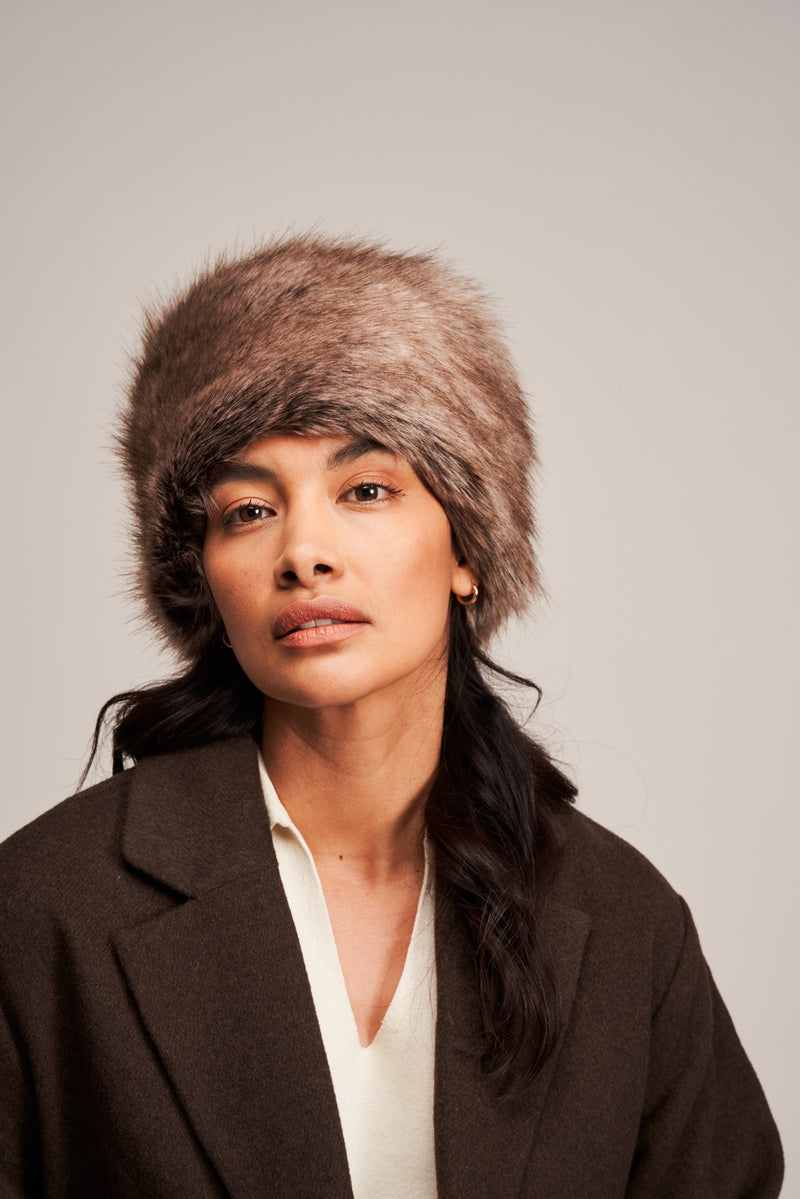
{"points": [[213, 578], [412, 567], [422, 583], [437, 561], [228, 583]]}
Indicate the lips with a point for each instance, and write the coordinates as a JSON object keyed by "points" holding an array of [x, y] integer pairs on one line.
{"points": [[320, 613]]}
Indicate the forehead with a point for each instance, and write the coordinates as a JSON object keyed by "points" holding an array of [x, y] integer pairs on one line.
{"points": [[331, 449]]}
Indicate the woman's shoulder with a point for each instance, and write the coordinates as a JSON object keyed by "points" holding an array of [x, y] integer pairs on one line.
{"points": [[75, 859], [80, 820], [604, 859], [78, 839], [626, 898]]}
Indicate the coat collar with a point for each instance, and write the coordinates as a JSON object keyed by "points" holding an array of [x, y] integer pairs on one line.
{"points": [[219, 979], [196, 820], [220, 984]]}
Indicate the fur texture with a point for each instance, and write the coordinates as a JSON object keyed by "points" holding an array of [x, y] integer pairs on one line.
{"points": [[328, 337]]}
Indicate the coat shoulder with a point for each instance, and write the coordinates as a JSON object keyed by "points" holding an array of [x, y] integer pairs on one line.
{"points": [[85, 863], [604, 865], [636, 915], [78, 835]]}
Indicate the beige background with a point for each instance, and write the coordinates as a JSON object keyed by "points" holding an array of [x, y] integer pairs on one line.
{"points": [[624, 177]]}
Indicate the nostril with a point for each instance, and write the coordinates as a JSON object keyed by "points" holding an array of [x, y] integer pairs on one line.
{"points": [[322, 568]]}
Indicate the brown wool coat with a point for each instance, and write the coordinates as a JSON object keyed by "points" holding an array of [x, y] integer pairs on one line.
{"points": [[158, 1036]]}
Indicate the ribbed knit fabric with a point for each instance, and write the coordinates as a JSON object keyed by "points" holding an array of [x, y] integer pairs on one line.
{"points": [[384, 1091]]}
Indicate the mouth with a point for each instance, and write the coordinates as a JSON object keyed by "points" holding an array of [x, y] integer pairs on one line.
{"points": [[318, 622]]}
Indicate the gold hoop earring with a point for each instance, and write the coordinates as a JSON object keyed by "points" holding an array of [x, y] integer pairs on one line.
{"points": [[225, 640], [467, 601]]}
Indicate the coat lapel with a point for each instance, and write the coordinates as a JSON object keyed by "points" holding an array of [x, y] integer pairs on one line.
{"points": [[221, 988], [483, 1144], [219, 978]]}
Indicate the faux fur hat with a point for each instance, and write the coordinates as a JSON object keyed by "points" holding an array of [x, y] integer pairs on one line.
{"points": [[317, 336]]}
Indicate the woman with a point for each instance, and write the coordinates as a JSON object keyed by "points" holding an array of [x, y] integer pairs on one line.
{"points": [[383, 956]]}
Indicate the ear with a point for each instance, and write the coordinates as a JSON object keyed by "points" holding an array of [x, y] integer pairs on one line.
{"points": [[462, 576]]}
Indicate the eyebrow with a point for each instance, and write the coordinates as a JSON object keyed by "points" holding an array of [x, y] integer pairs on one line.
{"points": [[354, 450], [233, 470]]}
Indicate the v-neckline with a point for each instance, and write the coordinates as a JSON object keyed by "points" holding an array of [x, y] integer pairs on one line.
{"points": [[313, 924], [332, 961]]}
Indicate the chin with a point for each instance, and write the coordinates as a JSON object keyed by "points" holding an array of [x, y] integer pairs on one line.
{"points": [[333, 692]]}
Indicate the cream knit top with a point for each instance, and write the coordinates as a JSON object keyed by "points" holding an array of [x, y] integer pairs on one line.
{"points": [[384, 1091]]}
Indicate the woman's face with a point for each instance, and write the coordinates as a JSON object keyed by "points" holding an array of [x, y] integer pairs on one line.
{"points": [[332, 567]]}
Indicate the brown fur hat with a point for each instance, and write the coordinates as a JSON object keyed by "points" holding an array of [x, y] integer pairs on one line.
{"points": [[317, 336]]}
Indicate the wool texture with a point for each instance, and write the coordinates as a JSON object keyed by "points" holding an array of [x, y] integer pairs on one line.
{"points": [[315, 336]]}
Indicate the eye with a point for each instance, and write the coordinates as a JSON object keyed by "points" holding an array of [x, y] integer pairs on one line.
{"points": [[248, 513], [369, 492]]}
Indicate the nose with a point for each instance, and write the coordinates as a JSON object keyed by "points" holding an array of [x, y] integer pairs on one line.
{"points": [[310, 549]]}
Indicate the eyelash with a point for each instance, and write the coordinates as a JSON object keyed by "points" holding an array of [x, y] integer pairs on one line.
{"points": [[231, 517], [366, 483]]}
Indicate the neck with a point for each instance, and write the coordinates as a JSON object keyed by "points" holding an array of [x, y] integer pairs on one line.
{"points": [[355, 779]]}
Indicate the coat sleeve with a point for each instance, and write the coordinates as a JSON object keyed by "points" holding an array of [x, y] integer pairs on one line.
{"points": [[20, 1175], [706, 1130]]}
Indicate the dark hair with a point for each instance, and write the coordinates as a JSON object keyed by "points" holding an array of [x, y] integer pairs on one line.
{"points": [[488, 817]]}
